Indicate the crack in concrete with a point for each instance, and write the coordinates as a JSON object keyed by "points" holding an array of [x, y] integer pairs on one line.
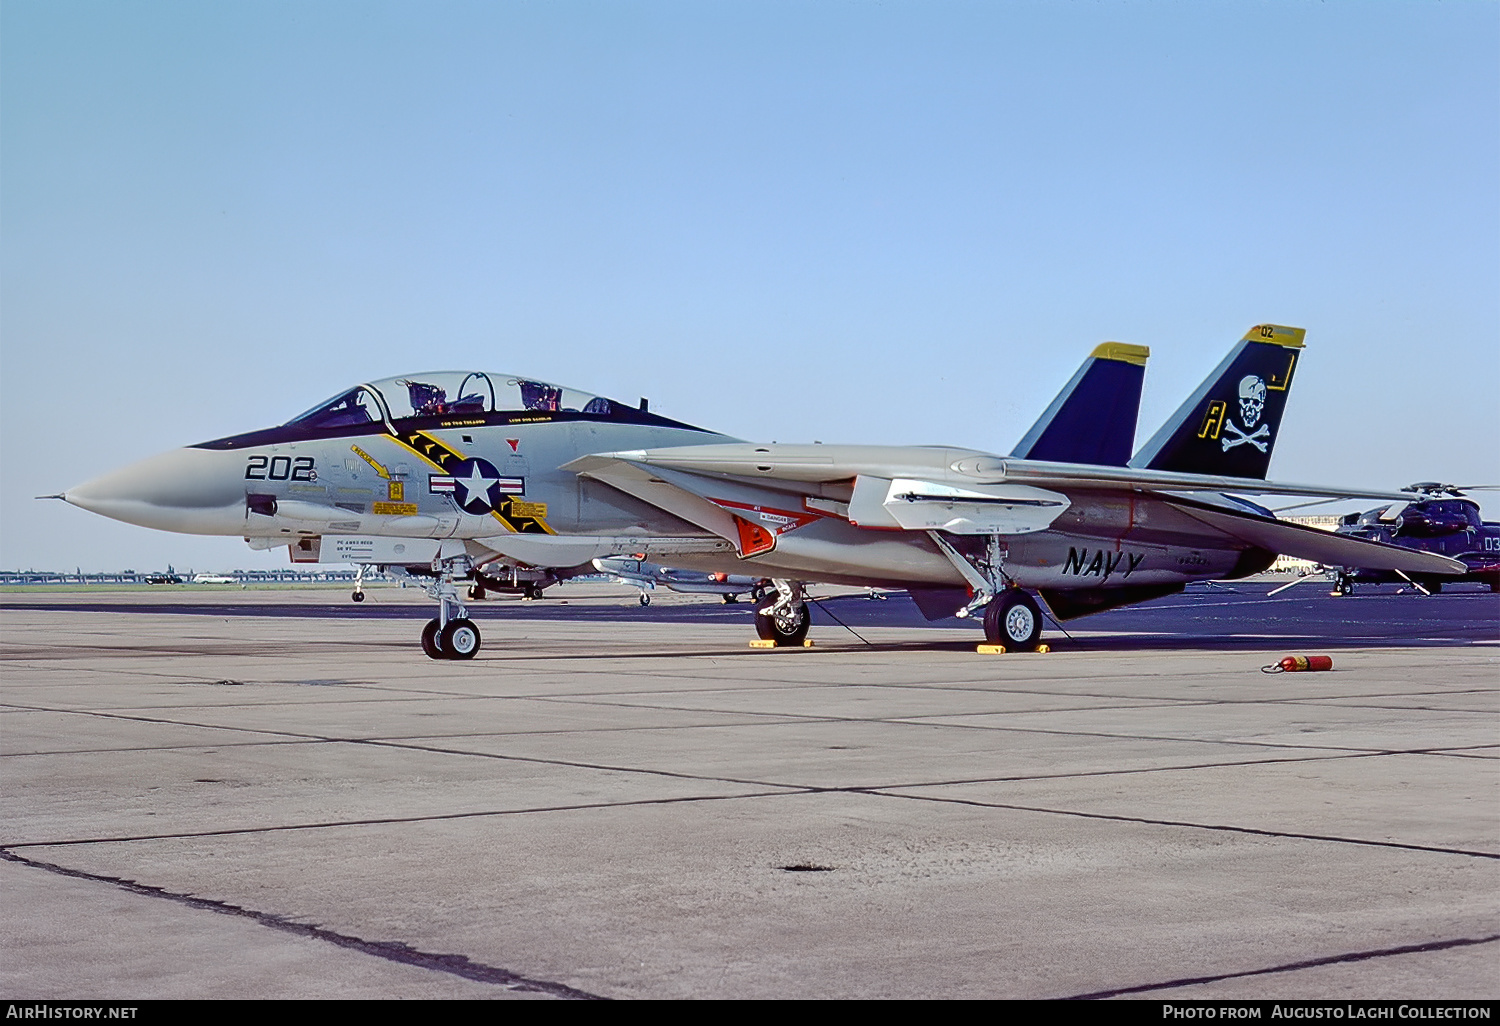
{"points": [[393, 951], [1352, 956], [395, 820], [1227, 828]]}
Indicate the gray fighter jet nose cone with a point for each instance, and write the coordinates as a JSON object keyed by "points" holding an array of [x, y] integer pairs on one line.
{"points": [[196, 491]]}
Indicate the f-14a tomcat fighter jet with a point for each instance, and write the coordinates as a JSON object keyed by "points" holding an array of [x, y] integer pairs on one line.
{"points": [[453, 472]]}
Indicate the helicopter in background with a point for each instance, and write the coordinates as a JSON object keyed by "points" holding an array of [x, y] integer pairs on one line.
{"points": [[1440, 519]]}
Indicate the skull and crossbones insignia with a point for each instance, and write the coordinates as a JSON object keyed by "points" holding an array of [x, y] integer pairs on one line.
{"points": [[1252, 399], [1252, 403]]}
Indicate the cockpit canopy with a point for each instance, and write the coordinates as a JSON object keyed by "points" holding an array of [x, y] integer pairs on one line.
{"points": [[447, 394]]}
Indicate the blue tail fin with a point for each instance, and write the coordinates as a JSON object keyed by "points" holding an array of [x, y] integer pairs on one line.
{"points": [[1229, 425], [1092, 420]]}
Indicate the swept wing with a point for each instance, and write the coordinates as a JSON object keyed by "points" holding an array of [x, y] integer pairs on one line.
{"points": [[731, 490]]}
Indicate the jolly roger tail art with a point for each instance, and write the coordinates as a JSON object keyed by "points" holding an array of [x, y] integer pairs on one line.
{"points": [[1228, 426]]}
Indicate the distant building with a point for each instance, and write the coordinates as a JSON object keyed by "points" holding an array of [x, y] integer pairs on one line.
{"points": [[1291, 564]]}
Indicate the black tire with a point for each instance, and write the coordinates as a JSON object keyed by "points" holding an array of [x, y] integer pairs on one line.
{"points": [[645, 599], [784, 630], [757, 593], [730, 600], [1013, 619], [476, 592], [431, 643], [460, 639], [1433, 587], [358, 596]]}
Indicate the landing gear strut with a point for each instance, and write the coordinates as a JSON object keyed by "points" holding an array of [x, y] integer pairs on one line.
{"points": [[452, 635], [783, 617], [1011, 616], [358, 594]]}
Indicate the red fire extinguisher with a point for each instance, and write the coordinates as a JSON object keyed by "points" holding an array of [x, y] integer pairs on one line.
{"points": [[1295, 664]]}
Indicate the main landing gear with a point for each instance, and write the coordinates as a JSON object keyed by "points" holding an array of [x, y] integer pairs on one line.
{"points": [[1011, 616], [783, 617], [452, 635]]}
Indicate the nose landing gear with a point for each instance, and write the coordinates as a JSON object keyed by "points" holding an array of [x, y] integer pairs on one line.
{"points": [[460, 639], [452, 635]]}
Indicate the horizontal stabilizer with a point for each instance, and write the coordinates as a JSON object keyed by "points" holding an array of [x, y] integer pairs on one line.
{"points": [[1319, 546], [1092, 420]]}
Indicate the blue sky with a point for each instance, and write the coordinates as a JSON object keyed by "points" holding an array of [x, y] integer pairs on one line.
{"points": [[897, 222]]}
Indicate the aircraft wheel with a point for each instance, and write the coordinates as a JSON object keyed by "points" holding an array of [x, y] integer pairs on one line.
{"points": [[460, 639], [645, 599], [1434, 587], [431, 643], [730, 600], [757, 593], [476, 592], [1013, 619], [358, 596], [786, 629]]}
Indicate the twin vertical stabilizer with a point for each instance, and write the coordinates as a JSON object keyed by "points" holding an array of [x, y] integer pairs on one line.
{"points": [[1227, 427], [1092, 420]]}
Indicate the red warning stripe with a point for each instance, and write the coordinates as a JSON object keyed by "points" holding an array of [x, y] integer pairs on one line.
{"points": [[759, 526]]}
